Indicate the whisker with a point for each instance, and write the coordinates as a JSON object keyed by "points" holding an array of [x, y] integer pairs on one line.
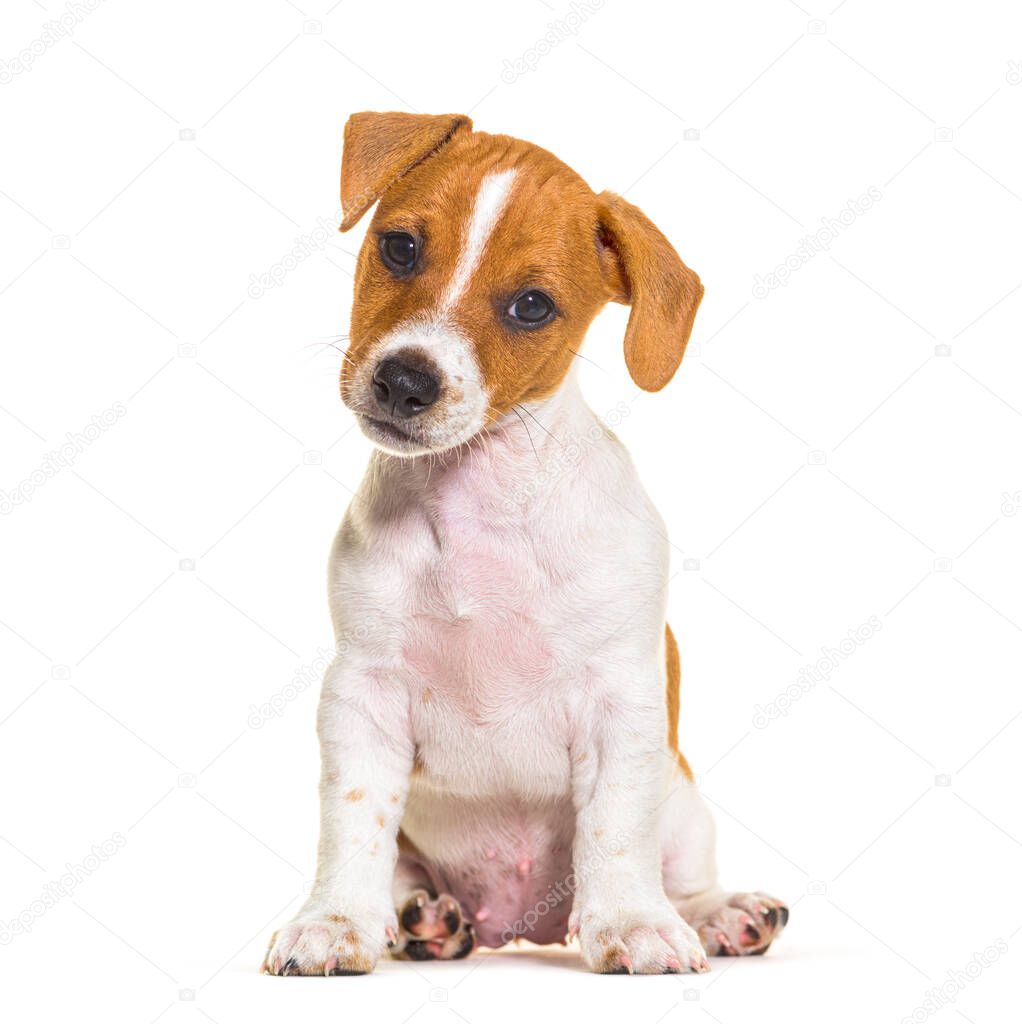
{"points": [[332, 345], [514, 409], [544, 429], [578, 355]]}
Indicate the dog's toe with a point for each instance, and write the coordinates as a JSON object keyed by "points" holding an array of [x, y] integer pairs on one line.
{"points": [[743, 925]]}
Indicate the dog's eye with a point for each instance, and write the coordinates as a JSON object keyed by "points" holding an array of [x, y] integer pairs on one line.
{"points": [[531, 309], [399, 251]]}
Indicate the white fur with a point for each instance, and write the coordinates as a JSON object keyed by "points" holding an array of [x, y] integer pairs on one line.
{"points": [[491, 199]]}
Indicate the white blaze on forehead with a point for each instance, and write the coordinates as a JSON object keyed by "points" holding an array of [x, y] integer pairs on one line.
{"points": [[490, 201], [464, 401]]}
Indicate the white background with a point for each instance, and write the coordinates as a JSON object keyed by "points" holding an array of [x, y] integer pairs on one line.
{"points": [[822, 457]]}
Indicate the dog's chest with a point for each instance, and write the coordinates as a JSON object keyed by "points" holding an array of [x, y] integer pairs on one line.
{"points": [[480, 629], [483, 650]]}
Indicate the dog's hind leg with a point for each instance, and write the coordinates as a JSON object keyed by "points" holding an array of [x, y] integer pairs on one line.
{"points": [[728, 923], [431, 925]]}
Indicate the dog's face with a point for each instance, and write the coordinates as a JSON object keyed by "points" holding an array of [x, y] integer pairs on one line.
{"points": [[482, 269]]}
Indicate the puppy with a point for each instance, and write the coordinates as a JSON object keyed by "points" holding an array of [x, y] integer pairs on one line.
{"points": [[499, 735]]}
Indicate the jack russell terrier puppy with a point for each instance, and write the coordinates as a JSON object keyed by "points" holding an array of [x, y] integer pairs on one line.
{"points": [[499, 735]]}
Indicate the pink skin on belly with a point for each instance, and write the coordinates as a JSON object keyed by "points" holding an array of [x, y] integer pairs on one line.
{"points": [[508, 862], [513, 896]]}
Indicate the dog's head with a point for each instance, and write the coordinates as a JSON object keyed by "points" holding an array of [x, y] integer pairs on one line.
{"points": [[486, 260]]}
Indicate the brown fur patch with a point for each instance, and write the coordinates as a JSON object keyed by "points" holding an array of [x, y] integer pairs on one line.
{"points": [[674, 701], [554, 234], [354, 795], [664, 294]]}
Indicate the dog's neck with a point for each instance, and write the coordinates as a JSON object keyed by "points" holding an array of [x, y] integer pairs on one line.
{"points": [[502, 471]]}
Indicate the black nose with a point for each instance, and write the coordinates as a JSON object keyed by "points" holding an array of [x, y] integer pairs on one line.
{"points": [[402, 390]]}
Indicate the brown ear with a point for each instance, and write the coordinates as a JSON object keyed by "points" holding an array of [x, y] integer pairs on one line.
{"points": [[643, 270], [379, 148]]}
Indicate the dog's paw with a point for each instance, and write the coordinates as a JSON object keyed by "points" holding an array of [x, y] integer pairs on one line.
{"points": [[640, 943], [326, 945], [432, 928], [743, 925]]}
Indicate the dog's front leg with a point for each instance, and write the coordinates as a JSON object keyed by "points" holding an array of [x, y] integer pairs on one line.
{"points": [[620, 773], [367, 756]]}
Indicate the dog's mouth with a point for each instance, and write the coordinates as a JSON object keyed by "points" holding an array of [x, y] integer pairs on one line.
{"points": [[388, 436]]}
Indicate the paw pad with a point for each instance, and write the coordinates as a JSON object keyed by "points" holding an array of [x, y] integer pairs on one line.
{"points": [[432, 928]]}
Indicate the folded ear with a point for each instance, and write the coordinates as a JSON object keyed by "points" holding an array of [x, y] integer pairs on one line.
{"points": [[643, 270], [380, 148]]}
